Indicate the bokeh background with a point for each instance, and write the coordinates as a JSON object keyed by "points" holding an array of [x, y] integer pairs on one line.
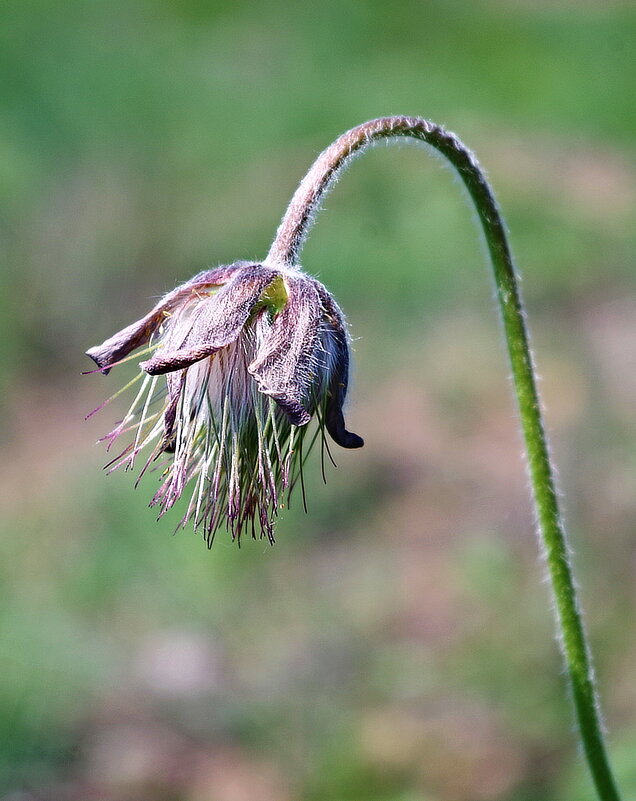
{"points": [[397, 643]]}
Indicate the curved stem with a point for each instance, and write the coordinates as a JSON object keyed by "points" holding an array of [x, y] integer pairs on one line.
{"points": [[285, 251]]}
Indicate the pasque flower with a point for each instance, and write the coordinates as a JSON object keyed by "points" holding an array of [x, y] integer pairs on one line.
{"points": [[250, 354]]}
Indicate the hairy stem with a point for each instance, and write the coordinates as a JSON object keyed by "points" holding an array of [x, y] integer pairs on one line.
{"points": [[285, 251]]}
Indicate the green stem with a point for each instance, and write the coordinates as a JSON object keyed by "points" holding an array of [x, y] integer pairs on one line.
{"points": [[285, 251]]}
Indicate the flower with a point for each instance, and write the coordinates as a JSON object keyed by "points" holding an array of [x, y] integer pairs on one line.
{"points": [[250, 353]]}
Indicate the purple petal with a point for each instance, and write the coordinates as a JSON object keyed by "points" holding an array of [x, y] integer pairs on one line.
{"points": [[290, 355], [337, 390], [137, 334], [215, 323]]}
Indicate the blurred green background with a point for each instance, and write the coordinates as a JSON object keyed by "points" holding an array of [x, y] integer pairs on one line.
{"points": [[397, 642]]}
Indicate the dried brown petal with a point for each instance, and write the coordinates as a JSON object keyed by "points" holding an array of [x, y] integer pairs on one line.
{"points": [[137, 334], [290, 359], [216, 322]]}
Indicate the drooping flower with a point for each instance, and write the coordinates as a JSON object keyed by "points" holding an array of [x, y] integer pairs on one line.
{"points": [[250, 354]]}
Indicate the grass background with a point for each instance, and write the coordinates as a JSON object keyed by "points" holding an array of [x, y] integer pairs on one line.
{"points": [[397, 643]]}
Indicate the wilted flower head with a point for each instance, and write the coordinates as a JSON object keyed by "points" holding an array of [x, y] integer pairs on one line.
{"points": [[250, 353]]}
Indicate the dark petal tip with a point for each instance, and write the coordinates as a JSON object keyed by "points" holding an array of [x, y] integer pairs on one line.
{"points": [[352, 440], [346, 439], [335, 425]]}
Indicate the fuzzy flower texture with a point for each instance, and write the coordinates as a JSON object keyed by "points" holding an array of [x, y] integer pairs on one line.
{"points": [[250, 354]]}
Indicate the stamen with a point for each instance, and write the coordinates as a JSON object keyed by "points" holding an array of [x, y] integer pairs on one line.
{"points": [[142, 420], [116, 395]]}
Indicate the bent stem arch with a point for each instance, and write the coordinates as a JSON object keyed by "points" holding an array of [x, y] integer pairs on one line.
{"points": [[285, 251]]}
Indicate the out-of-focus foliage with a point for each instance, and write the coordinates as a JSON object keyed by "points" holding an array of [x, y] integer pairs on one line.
{"points": [[396, 644]]}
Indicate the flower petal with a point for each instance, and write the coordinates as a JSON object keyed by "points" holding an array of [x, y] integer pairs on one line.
{"points": [[137, 334], [337, 390], [215, 323], [286, 362]]}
